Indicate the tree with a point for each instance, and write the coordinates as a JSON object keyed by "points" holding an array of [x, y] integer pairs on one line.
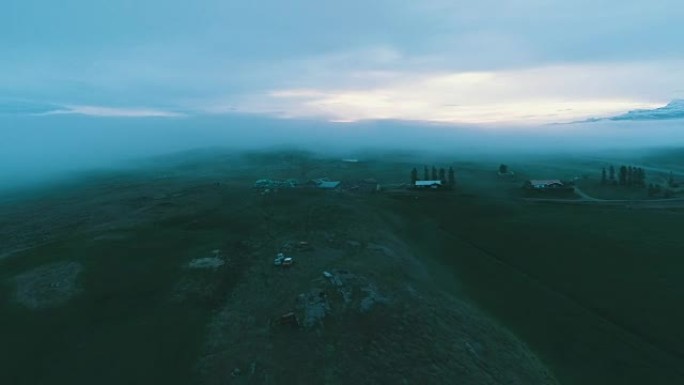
{"points": [[642, 177], [635, 176], [630, 176], [603, 176], [442, 175], [434, 173], [426, 175], [503, 169], [302, 161], [414, 176], [622, 175], [670, 180], [611, 173], [452, 177]]}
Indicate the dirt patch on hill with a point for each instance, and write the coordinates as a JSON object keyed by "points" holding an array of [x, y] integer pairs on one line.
{"points": [[354, 333], [358, 307], [48, 285]]}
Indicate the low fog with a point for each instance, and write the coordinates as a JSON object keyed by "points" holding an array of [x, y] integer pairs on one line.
{"points": [[36, 149]]}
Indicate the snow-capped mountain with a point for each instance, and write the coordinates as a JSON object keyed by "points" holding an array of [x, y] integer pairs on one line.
{"points": [[673, 110]]}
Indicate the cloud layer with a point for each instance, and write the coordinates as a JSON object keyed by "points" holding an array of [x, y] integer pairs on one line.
{"points": [[486, 60], [559, 93]]}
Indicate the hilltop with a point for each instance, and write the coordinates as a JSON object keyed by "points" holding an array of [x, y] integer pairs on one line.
{"points": [[167, 275]]}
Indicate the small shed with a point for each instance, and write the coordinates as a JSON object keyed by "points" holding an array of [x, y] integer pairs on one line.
{"points": [[433, 184], [329, 185], [543, 184]]}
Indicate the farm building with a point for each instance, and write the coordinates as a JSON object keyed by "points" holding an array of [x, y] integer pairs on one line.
{"points": [[425, 184], [329, 185], [544, 184], [324, 183]]}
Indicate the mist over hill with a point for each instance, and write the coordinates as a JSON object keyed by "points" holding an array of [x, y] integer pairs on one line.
{"points": [[36, 148]]}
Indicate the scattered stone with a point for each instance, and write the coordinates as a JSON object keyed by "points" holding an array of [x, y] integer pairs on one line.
{"points": [[282, 260], [412, 291], [316, 306], [334, 279], [372, 298], [382, 249], [354, 244], [298, 246], [48, 285], [287, 247], [206, 263], [474, 349], [289, 319]]}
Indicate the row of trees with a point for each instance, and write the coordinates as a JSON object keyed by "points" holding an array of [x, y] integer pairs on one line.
{"points": [[436, 174], [626, 176]]}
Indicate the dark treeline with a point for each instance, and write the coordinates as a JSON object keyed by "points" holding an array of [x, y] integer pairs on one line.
{"points": [[441, 174], [625, 176]]}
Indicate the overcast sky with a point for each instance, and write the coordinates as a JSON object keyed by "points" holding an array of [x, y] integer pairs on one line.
{"points": [[478, 61]]}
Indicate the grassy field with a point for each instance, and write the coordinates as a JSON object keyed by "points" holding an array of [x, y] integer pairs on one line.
{"points": [[598, 304], [474, 285]]}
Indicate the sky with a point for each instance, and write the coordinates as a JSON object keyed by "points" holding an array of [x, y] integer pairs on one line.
{"points": [[484, 62]]}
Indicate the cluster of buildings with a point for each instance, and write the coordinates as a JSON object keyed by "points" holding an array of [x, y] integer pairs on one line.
{"points": [[322, 183], [273, 183], [364, 185], [428, 184], [372, 185], [547, 185]]}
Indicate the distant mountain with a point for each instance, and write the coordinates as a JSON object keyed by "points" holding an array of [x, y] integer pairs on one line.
{"points": [[674, 110]]}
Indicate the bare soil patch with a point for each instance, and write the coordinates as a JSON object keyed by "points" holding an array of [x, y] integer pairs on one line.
{"points": [[48, 286]]}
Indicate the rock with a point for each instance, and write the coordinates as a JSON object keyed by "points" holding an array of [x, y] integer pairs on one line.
{"points": [[354, 244], [287, 247], [334, 279], [316, 306], [372, 298], [383, 249], [206, 263], [341, 279]]}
